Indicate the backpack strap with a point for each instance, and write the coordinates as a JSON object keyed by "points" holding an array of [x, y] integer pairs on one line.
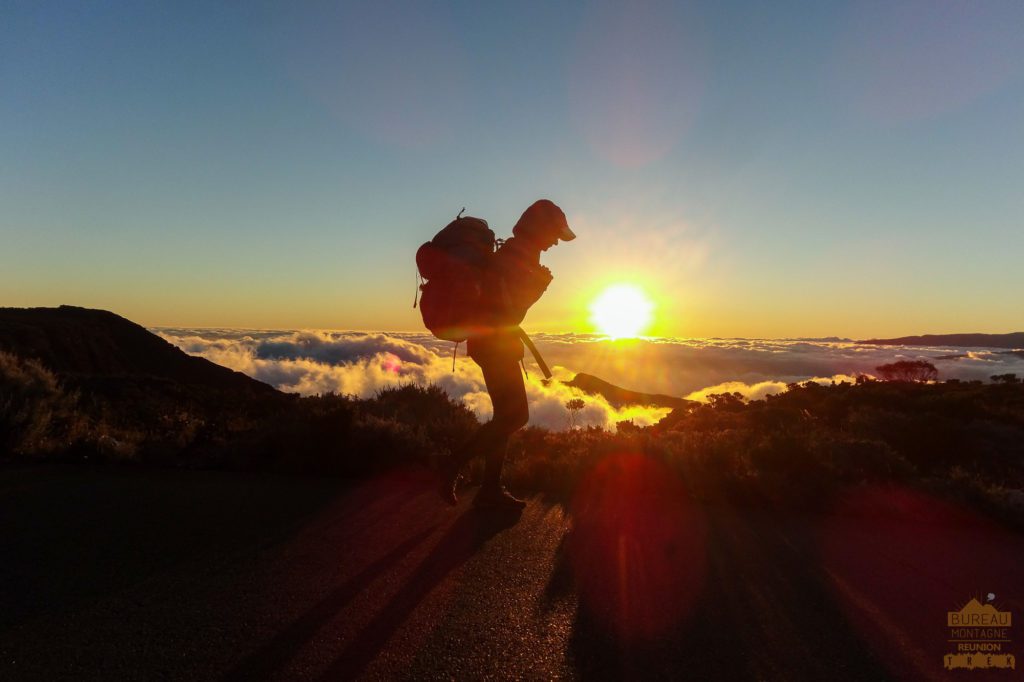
{"points": [[533, 350]]}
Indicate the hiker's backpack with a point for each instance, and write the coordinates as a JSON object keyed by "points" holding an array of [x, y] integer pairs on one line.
{"points": [[453, 265]]}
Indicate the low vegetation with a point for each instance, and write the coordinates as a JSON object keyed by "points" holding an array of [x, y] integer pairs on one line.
{"points": [[37, 416], [187, 426], [960, 439]]}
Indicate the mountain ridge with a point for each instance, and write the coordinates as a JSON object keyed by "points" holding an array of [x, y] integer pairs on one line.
{"points": [[619, 397], [1013, 340], [90, 346]]}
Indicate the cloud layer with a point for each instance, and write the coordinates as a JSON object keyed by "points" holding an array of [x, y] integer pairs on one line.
{"points": [[359, 363]]}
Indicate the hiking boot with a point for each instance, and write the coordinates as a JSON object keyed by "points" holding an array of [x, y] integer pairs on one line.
{"points": [[449, 481], [497, 499]]}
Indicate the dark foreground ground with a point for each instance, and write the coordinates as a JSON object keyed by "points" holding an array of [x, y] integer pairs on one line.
{"points": [[133, 574]]}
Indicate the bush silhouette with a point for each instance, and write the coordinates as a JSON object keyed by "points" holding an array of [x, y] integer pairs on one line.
{"points": [[908, 370]]}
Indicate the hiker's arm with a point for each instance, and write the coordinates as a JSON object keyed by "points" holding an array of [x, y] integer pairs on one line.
{"points": [[523, 285]]}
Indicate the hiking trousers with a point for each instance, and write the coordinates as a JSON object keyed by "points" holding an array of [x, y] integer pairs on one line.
{"points": [[505, 385]]}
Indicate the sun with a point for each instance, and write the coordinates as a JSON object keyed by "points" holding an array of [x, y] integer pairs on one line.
{"points": [[621, 311]]}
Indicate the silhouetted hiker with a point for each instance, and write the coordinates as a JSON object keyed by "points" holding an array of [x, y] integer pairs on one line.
{"points": [[513, 280]]}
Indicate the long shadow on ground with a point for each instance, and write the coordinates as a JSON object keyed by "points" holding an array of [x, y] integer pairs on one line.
{"points": [[465, 537], [276, 653]]}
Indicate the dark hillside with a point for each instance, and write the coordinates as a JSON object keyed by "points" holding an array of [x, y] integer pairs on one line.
{"points": [[78, 383], [96, 347]]}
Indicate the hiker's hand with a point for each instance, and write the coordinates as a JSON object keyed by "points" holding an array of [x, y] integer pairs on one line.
{"points": [[544, 278]]}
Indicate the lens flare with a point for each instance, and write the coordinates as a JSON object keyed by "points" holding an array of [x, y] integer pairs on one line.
{"points": [[637, 548], [621, 311], [392, 363]]}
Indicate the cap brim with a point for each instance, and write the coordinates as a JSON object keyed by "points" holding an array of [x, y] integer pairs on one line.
{"points": [[565, 234]]}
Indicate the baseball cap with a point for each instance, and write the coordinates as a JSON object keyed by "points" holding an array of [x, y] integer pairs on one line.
{"points": [[546, 213]]}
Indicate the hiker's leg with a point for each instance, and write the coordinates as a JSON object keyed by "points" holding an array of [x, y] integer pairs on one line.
{"points": [[482, 441], [505, 385], [495, 460], [478, 444], [511, 412]]}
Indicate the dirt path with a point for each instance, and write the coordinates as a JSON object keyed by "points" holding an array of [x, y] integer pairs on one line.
{"points": [[204, 575]]}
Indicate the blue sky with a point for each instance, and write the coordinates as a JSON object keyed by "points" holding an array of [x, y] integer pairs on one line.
{"points": [[785, 169]]}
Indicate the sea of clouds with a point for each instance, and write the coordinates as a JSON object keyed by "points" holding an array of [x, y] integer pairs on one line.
{"points": [[309, 362]]}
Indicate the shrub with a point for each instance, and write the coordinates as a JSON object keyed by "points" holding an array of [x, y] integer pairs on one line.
{"points": [[443, 421], [37, 416], [908, 370]]}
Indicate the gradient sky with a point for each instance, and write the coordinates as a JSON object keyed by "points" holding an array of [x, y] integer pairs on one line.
{"points": [[762, 169]]}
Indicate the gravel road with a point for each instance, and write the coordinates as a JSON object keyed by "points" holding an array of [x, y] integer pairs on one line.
{"points": [[147, 574]]}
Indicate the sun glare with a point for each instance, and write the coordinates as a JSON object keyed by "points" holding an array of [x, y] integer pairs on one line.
{"points": [[621, 311]]}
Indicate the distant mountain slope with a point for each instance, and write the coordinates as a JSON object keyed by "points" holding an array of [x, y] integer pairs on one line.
{"points": [[1011, 340], [617, 396], [96, 346]]}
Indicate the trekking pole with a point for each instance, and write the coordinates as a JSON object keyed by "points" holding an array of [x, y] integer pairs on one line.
{"points": [[533, 350]]}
